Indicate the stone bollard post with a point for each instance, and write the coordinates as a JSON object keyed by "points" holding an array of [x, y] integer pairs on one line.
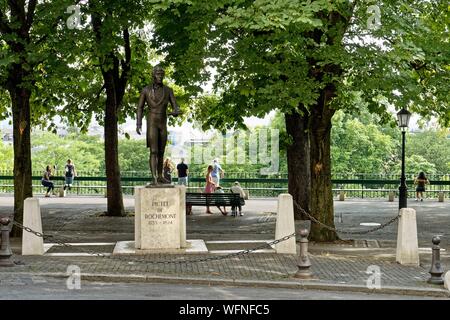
{"points": [[5, 249], [407, 242], [31, 243], [441, 197], [303, 262], [436, 270], [342, 196], [285, 224]]}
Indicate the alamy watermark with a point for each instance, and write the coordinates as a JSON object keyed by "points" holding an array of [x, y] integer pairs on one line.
{"points": [[74, 20], [255, 147], [374, 280], [73, 282], [374, 20]]}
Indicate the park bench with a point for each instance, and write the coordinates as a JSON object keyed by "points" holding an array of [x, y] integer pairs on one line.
{"points": [[212, 199]]}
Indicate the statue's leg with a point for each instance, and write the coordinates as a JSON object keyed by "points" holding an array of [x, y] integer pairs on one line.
{"points": [[153, 165], [154, 153], [162, 146]]}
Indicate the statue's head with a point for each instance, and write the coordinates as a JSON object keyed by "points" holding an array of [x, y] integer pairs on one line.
{"points": [[158, 74]]}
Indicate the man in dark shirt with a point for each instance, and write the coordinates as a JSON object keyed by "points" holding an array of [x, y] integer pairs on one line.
{"points": [[183, 171]]}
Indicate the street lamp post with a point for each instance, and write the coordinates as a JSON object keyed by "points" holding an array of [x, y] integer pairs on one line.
{"points": [[403, 117]]}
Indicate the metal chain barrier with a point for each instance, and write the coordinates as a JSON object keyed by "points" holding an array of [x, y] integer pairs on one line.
{"points": [[312, 218], [64, 242], [213, 258], [54, 239]]}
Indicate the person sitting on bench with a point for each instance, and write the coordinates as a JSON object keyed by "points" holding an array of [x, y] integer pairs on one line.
{"points": [[237, 189], [220, 190], [46, 176]]}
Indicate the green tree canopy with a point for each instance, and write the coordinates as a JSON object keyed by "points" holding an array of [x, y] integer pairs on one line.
{"points": [[359, 148]]}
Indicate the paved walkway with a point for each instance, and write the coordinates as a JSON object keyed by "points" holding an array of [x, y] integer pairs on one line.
{"points": [[330, 272], [25, 288], [336, 266], [79, 218]]}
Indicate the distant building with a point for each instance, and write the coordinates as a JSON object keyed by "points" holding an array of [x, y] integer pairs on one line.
{"points": [[7, 138], [194, 142], [6, 135]]}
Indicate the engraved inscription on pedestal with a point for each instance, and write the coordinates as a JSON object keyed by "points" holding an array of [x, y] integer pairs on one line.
{"points": [[157, 218]]}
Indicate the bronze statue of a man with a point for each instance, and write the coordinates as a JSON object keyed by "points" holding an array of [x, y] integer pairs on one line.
{"points": [[157, 96]]}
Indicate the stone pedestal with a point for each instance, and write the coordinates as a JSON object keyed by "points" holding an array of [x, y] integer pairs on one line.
{"points": [[441, 197], [160, 218], [407, 242], [32, 244], [62, 192], [285, 224], [341, 196]]}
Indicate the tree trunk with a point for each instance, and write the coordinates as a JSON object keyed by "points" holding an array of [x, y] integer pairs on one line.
{"points": [[320, 155], [299, 178], [20, 99], [114, 187], [19, 83]]}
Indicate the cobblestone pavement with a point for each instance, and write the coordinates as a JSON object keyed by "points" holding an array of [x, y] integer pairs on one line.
{"points": [[345, 263], [80, 219], [256, 266]]}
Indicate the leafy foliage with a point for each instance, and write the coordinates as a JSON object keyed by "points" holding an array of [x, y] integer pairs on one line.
{"points": [[6, 156], [269, 55], [433, 146], [358, 145], [50, 149], [363, 144], [360, 148]]}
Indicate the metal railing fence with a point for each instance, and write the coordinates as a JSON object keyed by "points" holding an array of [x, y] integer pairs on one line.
{"points": [[364, 185]]}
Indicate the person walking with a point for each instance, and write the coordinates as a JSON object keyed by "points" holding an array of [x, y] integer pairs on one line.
{"points": [[210, 185], [183, 171], [46, 176], [217, 172], [70, 173], [420, 181], [236, 188]]}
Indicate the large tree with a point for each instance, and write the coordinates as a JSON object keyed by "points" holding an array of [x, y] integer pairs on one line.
{"points": [[308, 59], [25, 30], [102, 61], [106, 66]]}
